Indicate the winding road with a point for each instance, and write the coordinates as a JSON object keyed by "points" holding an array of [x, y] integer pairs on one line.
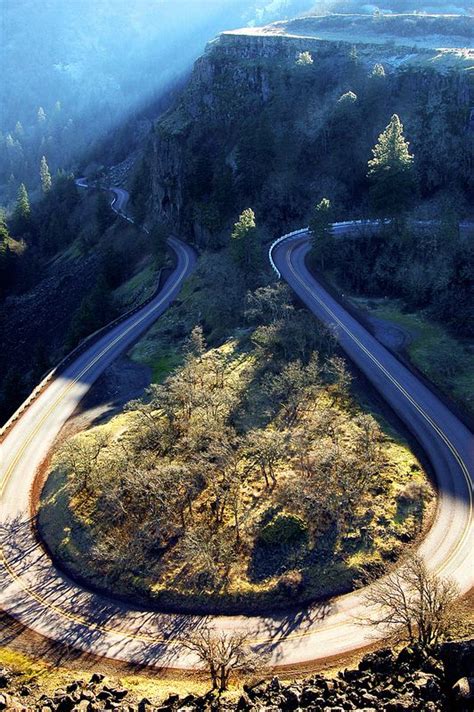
{"points": [[38, 594]]}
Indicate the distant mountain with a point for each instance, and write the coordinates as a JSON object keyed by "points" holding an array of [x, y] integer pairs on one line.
{"points": [[73, 71]]}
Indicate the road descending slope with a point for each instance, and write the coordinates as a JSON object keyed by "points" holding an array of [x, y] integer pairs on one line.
{"points": [[34, 591]]}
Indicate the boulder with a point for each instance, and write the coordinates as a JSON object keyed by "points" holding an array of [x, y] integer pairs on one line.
{"points": [[433, 666], [257, 690], [87, 695], [310, 695], [82, 706], [380, 661], [368, 699], [120, 693], [463, 690], [5, 677], [426, 686], [458, 660], [245, 703], [4, 701], [73, 686], [96, 678], [66, 704], [104, 695], [399, 704], [291, 699]]}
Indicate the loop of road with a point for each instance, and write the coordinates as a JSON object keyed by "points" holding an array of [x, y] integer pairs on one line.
{"points": [[39, 595]]}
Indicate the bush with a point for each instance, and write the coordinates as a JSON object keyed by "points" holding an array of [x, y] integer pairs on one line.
{"points": [[284, 529], [414, 493], [291, 583]]}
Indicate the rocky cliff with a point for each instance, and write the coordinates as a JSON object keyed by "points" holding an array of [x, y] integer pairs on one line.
{"points": [[275, 122]]}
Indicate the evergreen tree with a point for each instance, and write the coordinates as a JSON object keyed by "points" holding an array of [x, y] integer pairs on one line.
{"points": [[41, 115], [22, 212], [391, 171], [4, 253], [378, 71], [244, 241], [45, 175], [320, 227]]}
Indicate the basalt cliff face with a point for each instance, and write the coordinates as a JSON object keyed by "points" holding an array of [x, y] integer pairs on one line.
{"points": [[277, 122]]}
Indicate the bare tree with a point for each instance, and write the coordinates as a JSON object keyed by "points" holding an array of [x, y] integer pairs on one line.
{"points": [[222, 654], [80, 457], [417, 605], [265, 448]]}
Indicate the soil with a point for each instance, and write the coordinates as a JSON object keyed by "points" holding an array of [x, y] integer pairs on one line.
{"points": [[393, 337], [122, 381]]}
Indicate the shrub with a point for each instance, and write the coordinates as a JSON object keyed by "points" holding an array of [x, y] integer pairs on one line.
{"points": [[291, 583], [414, 493], [284, 528]]}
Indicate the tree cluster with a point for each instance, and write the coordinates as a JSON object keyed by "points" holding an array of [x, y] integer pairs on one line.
{"points": [[240, 466]]}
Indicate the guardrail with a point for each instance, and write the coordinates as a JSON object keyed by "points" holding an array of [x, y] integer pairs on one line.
{"points": [[288, 235], [305, 230], [80, 348]]}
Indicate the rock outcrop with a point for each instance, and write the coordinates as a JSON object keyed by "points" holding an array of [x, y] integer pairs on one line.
{"points": [[251, 127], [413, 679]]}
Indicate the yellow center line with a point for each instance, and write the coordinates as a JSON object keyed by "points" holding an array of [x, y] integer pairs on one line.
{"points": [[151, 638], [87, 368], [398, 385]]}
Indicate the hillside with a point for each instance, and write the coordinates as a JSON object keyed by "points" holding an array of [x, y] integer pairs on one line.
{"points": [[277, 121], [261, 143]]}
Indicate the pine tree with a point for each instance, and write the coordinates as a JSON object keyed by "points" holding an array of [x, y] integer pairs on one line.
{"points": [[4, 251], [22, 212], [244, 241], [378, 71], [41, 115], [321, 232], [45, 176], [391, 171]]}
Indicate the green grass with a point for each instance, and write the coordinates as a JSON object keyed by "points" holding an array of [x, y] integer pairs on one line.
{"points": [[51, 676], [138, 287], [155, 351], [443, 359]]}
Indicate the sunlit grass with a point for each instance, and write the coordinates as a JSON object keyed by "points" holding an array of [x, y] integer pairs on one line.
{"points": [[441, 357]]}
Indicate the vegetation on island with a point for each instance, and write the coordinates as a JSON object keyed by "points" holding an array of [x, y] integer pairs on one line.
{"points": [[249, 478]]}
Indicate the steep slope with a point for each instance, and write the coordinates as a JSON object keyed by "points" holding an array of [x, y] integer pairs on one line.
{"points": [[261, 123]]}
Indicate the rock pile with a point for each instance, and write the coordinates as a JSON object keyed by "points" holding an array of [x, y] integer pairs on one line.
{"points": [[441, 680]]}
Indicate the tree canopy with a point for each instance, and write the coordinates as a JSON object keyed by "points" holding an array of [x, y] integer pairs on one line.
{"points": [[244, 241], [391, 170], [321, 233], [45, 175]]}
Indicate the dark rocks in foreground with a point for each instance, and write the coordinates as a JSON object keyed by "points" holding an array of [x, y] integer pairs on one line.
{"points": [[410, 680]]}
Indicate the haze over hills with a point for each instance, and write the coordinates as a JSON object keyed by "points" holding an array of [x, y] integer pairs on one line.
{"points": [[90, 67]]}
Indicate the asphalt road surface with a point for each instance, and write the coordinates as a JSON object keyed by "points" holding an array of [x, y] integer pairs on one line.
{"points": [[35, 592]]}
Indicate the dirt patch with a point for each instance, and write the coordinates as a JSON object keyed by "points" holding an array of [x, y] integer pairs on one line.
{"points": [[121, 382], [393, 337]]}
